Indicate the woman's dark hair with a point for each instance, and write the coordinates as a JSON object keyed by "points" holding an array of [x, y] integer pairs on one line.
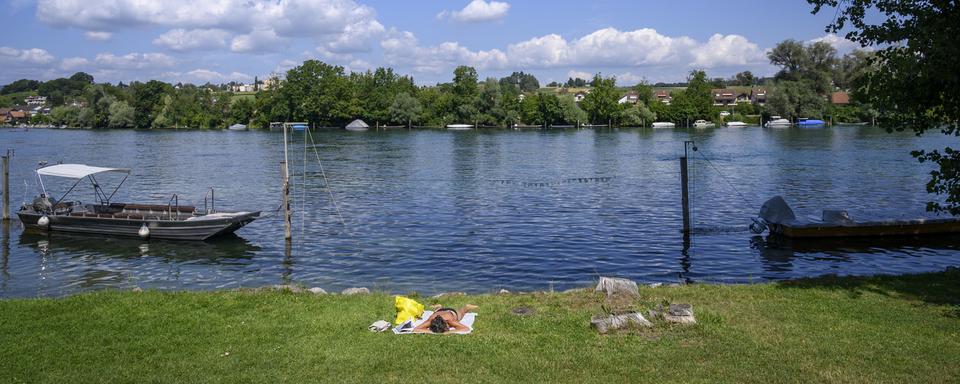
{"points": [[438, 325]]}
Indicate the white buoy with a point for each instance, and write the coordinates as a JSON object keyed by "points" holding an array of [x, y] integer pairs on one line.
{"points": [[144, 232], [44, 222]]}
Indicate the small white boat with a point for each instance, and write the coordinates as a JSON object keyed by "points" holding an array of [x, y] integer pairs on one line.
{"points": [[736, 124], [663, 124], [778, 122], [703, 124], [459, 127], [237, 127], [357, 125]]}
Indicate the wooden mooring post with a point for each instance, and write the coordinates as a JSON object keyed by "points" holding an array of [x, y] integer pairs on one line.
{"points": [[6, 185], [684, 188]]}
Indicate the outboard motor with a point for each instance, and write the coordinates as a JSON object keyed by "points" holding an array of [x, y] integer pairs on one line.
{"points": [[773, 211], [42, 204]]}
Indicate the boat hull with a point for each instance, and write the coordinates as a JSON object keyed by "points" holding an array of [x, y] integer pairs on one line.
{"points": [[877, 229], [196, 230]]}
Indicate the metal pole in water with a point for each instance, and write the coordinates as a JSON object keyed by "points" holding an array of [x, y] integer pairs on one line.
{"points": [[286, 201], [6, 186], [286, 187], [684, 190]]}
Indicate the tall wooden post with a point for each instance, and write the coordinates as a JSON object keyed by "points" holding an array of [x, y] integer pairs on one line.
{"points": [[684, 191], [6, 186]]}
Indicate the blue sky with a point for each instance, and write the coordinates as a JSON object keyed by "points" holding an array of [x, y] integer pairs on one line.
{"points": [[235, 40]]}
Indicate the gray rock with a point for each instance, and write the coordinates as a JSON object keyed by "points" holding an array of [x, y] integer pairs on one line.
{"points": [[655, 285], [444, 294], [523, 311], [317, 291], [673, 285], [355, 291], [576, 290], [288, 287], [137, 289], [616, 286], [680, 314], [681, 309], [503, 292], [604, 324]]}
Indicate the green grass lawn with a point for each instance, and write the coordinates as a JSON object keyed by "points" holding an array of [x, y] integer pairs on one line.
{"points": [[881, 329]]}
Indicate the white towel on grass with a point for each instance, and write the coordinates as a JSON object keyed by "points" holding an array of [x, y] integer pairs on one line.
{"points": [[408, 326]]}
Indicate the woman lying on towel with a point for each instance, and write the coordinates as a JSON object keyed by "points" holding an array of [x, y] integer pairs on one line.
{"points": [[445, 319]]}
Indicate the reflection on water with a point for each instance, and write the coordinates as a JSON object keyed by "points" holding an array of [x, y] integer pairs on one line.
{"points": [[476, 211], [778, 252]]}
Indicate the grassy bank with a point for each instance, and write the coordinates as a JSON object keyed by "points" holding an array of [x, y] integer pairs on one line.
{"points": [[882, 329]]}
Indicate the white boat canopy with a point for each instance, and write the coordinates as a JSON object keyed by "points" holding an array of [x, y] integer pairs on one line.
{"points": [[76, 171]]}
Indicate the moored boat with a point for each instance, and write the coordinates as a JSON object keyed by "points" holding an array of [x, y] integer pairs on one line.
{"points": [[459, 127], [777, 215], [736, 124], [778, 122], [663, 124], [171, 221], [703, 124], [810, 123]]}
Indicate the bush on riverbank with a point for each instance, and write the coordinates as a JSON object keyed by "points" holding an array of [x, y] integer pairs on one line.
{"points": [[896, 329]]}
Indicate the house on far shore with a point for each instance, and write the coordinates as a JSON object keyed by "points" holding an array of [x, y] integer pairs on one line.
{"points": [[839, 98], [758, 96], [631, 97], [663, 96], [35, 100], [723, 96], [5, 115], [579, 97]]}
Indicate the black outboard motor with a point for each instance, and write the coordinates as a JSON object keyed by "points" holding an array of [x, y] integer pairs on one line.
{"points": [[42, 204]]}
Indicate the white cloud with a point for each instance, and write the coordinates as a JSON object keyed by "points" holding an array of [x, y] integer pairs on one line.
{"points": [[32, 56], [401, 48], [478, 11], [257, 41], [206, 75], [98, 35], [727, 50], [134, 61], [194, 39], [356, 37], [343, 24], [604, 48], [841, 44], [573, 74], [73, 63]]}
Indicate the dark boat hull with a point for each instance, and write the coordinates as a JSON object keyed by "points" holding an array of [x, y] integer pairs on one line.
{"points": [[159, 229], [874, 229]]}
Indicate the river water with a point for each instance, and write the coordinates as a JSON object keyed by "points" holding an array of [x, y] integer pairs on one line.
{"points": [[431, 211]]}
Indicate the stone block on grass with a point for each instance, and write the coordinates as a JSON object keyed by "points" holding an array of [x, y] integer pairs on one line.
{"points": [[614, 286], [607, 323], [355, 291]]}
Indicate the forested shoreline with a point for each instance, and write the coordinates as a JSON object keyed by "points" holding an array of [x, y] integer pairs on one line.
{"points": [[327, 95]]}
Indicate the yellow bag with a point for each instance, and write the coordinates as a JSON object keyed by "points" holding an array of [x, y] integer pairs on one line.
{"points": [[407, 309]]}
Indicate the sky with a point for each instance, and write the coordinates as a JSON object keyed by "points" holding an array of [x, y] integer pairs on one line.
{"points": [[218, 41]]}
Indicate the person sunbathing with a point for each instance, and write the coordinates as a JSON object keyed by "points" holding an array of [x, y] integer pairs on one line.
{"points": [[444, 320]]}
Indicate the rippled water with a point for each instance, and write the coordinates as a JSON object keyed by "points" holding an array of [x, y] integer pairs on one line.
{"points": [[431, 211]]}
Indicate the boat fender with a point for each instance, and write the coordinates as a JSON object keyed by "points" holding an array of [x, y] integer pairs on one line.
{"points": [[43, 222], [144, 232], [758, 225]]}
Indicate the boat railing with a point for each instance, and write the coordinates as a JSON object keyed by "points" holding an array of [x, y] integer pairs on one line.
{"points": [[173, 203], [212, 207]]}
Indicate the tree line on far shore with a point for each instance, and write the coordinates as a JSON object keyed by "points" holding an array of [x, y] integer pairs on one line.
{"points": [[326, 95]]}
